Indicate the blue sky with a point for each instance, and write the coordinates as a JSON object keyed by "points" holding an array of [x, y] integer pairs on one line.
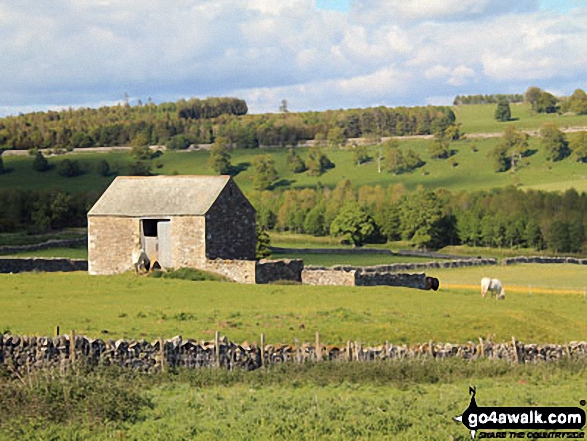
{"points": [[317, 54]]}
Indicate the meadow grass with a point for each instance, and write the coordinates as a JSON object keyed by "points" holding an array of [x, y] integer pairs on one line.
{"points": [[328, 260], [474, 170], [403, 400], [61, 252], [138, 307], [479, 118]]}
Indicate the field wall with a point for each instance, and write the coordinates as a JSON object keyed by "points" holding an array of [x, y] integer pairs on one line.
{"points": [[23, 354], [543, 259], [28, 264], [52, 243]]}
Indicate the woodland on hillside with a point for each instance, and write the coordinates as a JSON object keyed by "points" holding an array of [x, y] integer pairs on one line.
{"points": [[180, 124]]}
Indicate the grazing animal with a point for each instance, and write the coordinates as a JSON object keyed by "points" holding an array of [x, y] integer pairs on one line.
{"points": [[432, 283], [141, 261], [494, 286]]}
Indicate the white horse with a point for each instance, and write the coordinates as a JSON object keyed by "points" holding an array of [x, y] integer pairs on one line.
{"points": [[494, 286]]}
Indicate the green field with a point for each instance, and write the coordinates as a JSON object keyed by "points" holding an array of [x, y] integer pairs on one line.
{"points": [[391, 401], [139, 307], [479, 118], [473, 172]]}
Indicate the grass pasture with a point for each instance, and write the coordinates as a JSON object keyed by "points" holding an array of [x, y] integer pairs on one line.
{"points": [[404, 400], [436, 173], [140, 307], [388, 401], [479, 118]]}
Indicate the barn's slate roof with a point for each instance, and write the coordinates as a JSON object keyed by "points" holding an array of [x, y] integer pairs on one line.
{"points": [[151, 196]]}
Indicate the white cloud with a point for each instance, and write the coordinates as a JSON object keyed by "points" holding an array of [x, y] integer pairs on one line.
{"points": [[382, 52]]}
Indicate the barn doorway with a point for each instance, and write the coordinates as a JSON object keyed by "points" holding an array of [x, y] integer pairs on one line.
{"points": [[156, 240]]}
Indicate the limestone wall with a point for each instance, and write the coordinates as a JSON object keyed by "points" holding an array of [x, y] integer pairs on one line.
{"points": [[27, 264], [111, 244], [24, 354], [268, 271], [188, 241], [51, 243], [241, 271], [328, 276], [543, 259]]}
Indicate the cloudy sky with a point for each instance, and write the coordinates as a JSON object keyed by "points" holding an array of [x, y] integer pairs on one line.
{"points": [[317, 54]]}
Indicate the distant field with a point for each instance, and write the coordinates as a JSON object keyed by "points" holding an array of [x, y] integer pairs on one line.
{"points": [[139, 307], [67, 253], [350, 259], [479, 118], [474, 170]]}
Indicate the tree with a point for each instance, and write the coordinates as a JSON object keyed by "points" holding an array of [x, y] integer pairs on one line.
{"points": [[40, 163], [532, 95], [353, 225], [578, 146], [294, 162], [264, 172], [440, 148], [103, 168], [283, 106], [511, 150], [547, 103], [420, 216], [553, 142], [578, 102], [263, 243], [314, 222], [139, 168], [219, 159], [140, 147], [69, 168], [335, 137], [360, 154], [317, 162], [503, 112], [178, 142]]}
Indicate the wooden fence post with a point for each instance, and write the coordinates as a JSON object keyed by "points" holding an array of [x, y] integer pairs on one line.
{"points": [[349, 351], [162, 354], [481, 348], [217, 349], [298, 351], [387, 348], [516, 357], [57, 331], [262, 349], [318, 349], [72, 347]]}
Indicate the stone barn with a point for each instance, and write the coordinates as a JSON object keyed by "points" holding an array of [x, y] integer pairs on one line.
{"points": [[200, 222]]}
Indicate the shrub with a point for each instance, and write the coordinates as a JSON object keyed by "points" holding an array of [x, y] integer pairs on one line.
{"points": [[193, 274], [40, 163], [103, 168], [69, 168]]}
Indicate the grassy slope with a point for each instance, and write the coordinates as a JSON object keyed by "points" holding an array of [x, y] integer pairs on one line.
{"points": [[479, 118], [143, 307], [474, 170]]}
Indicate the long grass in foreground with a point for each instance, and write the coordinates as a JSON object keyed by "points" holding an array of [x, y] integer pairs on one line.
{"points": [[383, 400]]}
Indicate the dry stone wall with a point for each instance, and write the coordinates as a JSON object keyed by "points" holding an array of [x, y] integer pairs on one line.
{"points": [[22, 354], [268, 271], [27, 264], [543, 259], [52, 243]]}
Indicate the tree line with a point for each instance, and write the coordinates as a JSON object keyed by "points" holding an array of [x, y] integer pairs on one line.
{"points": [[180, 124], [488, 99], [430, 219]]}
